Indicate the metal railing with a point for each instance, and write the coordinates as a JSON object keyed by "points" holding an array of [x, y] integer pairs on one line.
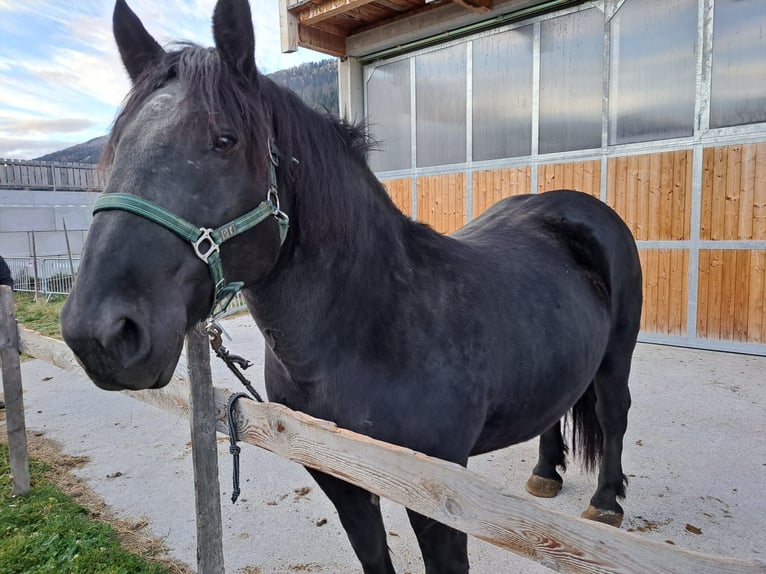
{"points": [[55, 275], [54, 176], [52, 276]]}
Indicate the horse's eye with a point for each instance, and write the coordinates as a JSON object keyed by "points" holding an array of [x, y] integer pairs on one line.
{"points": [[224, 144]]}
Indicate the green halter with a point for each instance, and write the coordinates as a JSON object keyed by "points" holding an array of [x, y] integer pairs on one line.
{"points": [[206, 242]]}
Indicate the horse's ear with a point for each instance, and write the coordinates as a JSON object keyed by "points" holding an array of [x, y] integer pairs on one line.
{"points": [[138, 49], [233, 34]]}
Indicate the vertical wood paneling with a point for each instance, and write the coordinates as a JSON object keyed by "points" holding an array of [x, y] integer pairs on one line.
{"points": [[583, 176], [616, 180], [666, 273], [650, 291], [631, 203], [756, 305], [741, 298], [734, 193], [664, 213], [681, 196], [441, 201], [714, 294], [642, 256], [679, 282], [747, 191], [642, 197], [491, 186], [663, 291], [728, 283], [759, 193], [731, 295], [703, 280], [400, 191], [652, 193]]}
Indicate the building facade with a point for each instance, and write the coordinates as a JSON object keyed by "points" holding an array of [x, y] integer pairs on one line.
{"points": [[657, 107]]}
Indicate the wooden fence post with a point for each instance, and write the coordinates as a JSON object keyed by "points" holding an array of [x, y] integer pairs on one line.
{"points": [[13, 397], [207, 492], [441, 490]]}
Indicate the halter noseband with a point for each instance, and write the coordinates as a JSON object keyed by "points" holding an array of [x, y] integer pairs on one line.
{"points": [[205, 241]]}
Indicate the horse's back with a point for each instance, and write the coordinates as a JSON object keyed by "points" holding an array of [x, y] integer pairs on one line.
{"points": [[590, 231]]}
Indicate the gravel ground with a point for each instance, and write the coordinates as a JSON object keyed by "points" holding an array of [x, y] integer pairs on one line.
{"points": [[694, 452]]}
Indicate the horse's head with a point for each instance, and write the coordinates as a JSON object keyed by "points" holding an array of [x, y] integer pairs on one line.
{"points": [[192, 140]]}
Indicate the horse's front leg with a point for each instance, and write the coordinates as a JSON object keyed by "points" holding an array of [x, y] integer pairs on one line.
{"points": [[444, 549], [359, 513]]}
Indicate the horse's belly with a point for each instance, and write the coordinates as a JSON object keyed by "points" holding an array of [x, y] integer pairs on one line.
{"points": [[527, 402]]}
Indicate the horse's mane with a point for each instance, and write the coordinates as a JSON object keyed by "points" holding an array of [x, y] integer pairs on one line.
{"points": [[230, 101], [332, 152]]}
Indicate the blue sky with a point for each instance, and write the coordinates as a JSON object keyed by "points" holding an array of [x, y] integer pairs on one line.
{"points": [[61, 80]]}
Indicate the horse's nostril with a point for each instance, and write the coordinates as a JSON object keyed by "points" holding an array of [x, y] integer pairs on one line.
{"points": [[128, 341], [123, 340]]}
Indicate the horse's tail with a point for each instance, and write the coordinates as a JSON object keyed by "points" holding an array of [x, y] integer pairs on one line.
{"points": [[587, 436]]}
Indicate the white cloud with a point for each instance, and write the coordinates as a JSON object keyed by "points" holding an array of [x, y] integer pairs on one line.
{"points": [[69, 74]]}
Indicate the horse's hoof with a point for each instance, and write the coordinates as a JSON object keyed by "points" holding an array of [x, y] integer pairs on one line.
{"points": [[609, 517], [542, 487]]}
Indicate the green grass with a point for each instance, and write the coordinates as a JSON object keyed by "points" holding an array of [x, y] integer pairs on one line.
{"points": [[39, 316], [46, 532]]}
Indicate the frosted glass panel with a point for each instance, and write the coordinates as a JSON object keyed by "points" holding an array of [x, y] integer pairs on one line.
{"points": [[653, 68], [440, 92], [502, 95], [739, 63], [388, 113], [571, 72]]}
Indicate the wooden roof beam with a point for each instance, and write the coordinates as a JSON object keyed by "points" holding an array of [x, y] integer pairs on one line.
{"points": [[321, 40], [288, 28], [475, 5], [329, 9]]}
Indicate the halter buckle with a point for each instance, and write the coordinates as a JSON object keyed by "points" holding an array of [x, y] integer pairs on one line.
{"points": [[206, 236]]}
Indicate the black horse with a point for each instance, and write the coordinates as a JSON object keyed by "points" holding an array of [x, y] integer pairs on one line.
{"points": [[449, 345]]}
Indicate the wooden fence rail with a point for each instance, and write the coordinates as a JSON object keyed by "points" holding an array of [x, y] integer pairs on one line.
{"points": [[441, 490], [51, 176]]}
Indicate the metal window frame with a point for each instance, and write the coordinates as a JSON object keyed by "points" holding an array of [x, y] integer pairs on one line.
{"points": [[702, 137]]}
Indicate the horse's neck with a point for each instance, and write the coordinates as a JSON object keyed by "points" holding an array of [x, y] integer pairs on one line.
{"points": [[333, 278]]}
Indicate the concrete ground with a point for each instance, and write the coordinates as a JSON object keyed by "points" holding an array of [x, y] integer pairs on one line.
{"points": [[695, 454]]}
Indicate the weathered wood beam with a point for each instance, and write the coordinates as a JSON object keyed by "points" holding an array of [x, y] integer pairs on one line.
{"points": [[442, 490], [480, 6], [331, 27], [321, 40], [288, 28], [13, 395], [329, 9], [207, 490]]}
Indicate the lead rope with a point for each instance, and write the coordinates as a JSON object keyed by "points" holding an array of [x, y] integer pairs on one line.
{"points": [[234, 362], [234, 449], [214, 331]]}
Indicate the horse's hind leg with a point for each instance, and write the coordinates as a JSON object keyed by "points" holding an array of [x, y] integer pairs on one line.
{"points": [[359, 513], [612, 404], [545, 481], [444, 549]]}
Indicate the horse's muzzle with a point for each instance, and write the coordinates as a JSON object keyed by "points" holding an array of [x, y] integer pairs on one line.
{"points": [[114, 349]]}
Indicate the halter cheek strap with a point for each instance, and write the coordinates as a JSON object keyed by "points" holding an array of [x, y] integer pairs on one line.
{"points": [[205, 241]]}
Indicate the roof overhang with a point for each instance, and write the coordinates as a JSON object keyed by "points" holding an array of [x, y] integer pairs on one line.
{"points": [[363, 27]]}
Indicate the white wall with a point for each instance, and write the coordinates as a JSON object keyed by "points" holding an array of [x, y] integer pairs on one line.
{"points": [[44, 212]]}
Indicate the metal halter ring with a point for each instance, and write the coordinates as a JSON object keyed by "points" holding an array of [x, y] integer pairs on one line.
{"points": [[273, 198], [206, 236]]}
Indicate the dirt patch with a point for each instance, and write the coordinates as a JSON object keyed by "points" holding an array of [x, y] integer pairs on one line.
{"points": [[641, 524], [134, 535], [310, 567]]}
